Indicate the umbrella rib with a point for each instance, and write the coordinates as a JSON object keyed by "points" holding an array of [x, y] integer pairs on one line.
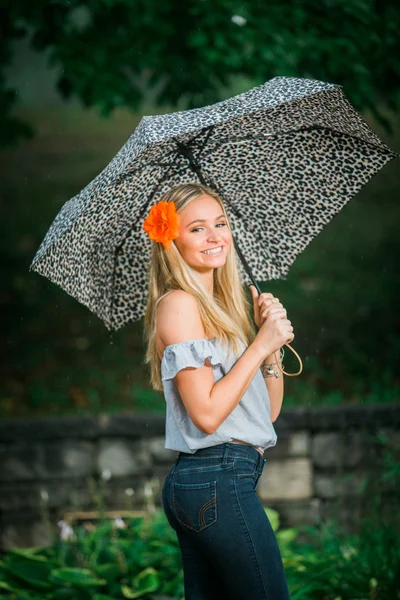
{"points": [[209, 132], [244, 139], [163, 164]]}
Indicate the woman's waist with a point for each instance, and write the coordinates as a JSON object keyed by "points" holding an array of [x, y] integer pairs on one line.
{"points": [[222, 451], [259, 450]]}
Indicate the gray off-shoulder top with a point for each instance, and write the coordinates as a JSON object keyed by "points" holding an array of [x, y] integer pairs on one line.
{"points": [[249, 421]]}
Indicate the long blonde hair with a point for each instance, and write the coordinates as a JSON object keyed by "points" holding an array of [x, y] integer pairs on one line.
{"points": [[224, 315]]}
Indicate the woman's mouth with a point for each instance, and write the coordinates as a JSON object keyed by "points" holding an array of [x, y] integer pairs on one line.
{"points": [[213, 251]]}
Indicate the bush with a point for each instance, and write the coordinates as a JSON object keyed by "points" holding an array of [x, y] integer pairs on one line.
{"points": [[140, 558]]}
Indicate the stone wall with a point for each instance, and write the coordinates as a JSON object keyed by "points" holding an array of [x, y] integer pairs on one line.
{"points": [[323, 458]]}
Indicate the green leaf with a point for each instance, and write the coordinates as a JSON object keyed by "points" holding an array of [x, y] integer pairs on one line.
{"points": [[4, 586], [110, 572], [32, 569], [64, 593], [78, 577], [273, 517], [286, 536], [147, 581]]}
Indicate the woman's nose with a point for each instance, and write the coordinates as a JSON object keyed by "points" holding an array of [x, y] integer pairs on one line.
{"points": [[214, 236]]}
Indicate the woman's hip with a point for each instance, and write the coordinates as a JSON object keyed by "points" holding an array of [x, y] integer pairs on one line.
{"points": [[213, 484]]}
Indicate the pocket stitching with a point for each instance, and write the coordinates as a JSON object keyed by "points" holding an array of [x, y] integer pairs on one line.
{"points": [[189, 524], [210, 503], [246, 474], [204, 509], [216, 467]]}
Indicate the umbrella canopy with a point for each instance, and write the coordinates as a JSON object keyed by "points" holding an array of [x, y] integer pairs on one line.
{"points": [[285, 157]]}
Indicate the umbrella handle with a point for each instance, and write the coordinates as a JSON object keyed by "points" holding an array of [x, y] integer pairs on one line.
{"points": [[284, 372]]}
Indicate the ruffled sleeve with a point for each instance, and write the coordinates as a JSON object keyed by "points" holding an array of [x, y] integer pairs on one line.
{"points": [[190, 353]]}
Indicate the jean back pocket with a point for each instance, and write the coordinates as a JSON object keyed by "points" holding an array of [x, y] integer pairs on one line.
{"points": [[195, 504]]}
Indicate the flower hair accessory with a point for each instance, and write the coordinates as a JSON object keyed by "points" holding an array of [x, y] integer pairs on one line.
{"points": [[162, 223]]}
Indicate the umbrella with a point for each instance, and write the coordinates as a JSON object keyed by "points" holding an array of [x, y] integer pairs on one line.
{"points": [[284, 156]]}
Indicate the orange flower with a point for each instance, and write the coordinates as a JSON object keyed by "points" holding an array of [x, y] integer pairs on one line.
{"points": [[162, 223]]}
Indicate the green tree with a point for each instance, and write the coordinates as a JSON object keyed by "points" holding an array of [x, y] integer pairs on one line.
{"points": [[109, 52]]}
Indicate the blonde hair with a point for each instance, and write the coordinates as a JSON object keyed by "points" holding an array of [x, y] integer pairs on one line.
{"points": [[224, 315]]}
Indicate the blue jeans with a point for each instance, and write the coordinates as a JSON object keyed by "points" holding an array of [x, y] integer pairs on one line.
{"points": [[229, 549]]}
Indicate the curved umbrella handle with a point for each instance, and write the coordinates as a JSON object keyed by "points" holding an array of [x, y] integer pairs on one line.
{"points": [[284, 372]]}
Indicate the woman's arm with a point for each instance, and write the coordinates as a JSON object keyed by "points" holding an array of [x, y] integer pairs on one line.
{"points": [[208, 403], [275, 386]]}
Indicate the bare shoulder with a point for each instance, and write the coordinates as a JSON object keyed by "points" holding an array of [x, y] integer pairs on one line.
{"points": [[178, 319]]}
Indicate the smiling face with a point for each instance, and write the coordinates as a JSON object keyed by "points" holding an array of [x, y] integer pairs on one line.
{"points": [[203, 227]]}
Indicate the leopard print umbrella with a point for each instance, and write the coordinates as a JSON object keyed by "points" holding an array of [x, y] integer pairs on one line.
{"points": [[285, 156]]}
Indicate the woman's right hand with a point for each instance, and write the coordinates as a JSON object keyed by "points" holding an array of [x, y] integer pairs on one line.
{"points": [[275, 331]]}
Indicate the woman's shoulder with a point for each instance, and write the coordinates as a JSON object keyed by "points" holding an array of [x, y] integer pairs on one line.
{"points": [[177, 315], [178, 300], [172, 296]]}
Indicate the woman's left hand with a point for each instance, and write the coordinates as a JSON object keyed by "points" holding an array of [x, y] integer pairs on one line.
{"points": [[262, 303]]}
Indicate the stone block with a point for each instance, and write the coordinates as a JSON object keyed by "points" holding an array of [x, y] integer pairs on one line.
{"points": [[324, 486], [299, 443], [292, 419], [342, 450], [20, 461], [295, 443], [327, 450], [354, 446], [289, 479], [120, 458], [77, 458]]}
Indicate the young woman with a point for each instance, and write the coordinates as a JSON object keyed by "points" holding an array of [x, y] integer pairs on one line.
{"points": [[205, 354]]}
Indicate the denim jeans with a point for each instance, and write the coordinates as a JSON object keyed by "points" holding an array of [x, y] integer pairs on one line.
{"points": [[229, 549]]}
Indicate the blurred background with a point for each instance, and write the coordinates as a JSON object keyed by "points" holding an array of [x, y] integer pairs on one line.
{"points": [[76, 78], [81, 431]]}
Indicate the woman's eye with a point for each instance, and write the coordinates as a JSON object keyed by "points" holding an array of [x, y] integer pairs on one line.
{"points": [[197, 228]]}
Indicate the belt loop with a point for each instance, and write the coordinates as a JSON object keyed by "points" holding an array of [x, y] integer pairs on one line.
{"points": [[225, 455], [261, 462]]}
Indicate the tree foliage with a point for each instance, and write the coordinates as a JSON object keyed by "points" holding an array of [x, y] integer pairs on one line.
{"points": [[111, 52]]}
